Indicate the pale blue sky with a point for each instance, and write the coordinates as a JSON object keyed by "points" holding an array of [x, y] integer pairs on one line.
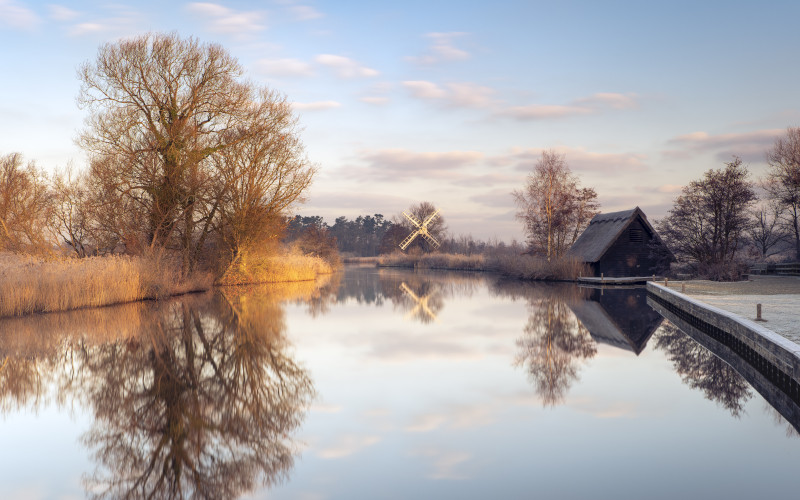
{"points": [[452, 102]]}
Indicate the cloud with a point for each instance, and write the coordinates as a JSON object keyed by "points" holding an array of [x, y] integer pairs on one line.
{"points": [[445, 463], [345, 67], [578, 159], [377, 100], [315, 106], [122, 21], [593, 104], [442, 49], [468, 95], [221, 19], [541, 112], [750, 146], [348, 445], [16, 16], [610, 100], [304, 12], [284, 67], [402, 164], [669, 188], [61, 13]]}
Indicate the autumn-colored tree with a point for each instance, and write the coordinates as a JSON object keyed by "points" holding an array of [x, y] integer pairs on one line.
{"points": [[553, 206], [177, 138], [26, 205], [783, 181]]}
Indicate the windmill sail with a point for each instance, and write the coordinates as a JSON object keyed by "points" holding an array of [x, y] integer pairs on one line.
{"points": [[422, 230]]}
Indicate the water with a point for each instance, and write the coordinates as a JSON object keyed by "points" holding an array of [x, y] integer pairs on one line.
{"points": [[382, 384]]}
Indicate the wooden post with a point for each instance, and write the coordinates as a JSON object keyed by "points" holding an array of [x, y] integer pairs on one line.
{"points": [[758, 313], [666, 281], [683, 287]]}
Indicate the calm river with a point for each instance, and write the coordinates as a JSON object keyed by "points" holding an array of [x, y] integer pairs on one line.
{"points": [[382, 383]]}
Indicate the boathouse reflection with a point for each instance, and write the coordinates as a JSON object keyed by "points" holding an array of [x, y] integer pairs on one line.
{"points": [[618, 316]]}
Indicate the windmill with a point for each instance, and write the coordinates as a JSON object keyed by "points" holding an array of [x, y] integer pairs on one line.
{"points": [[422, 230], [421, 308]]}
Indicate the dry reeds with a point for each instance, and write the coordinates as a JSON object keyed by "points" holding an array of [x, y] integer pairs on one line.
{"points": [[269, 268], [524, 267], [30, 285]]}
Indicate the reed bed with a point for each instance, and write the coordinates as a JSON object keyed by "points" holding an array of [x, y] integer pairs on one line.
{"points": [[30, 285], [282, 268], [524, 267]]}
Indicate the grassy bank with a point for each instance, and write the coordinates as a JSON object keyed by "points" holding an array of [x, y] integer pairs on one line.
{"points": [[525, 267], [31, 285]]}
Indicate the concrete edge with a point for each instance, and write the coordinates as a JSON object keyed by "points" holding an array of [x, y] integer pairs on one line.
{"points": [[781, 351]]}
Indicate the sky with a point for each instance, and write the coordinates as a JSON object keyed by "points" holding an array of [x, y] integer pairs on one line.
{"points": [[452, 102]]}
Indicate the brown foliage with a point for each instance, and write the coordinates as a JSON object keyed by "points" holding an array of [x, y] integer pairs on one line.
{"points": [[26, 205]]}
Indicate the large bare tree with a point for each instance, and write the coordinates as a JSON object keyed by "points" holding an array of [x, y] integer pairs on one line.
{"points": [[783, 181], [553, 206], [162, 109], [709, 221]]}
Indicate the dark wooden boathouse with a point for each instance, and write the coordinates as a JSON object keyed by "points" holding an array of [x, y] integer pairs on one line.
{"points": [[621, 244]]}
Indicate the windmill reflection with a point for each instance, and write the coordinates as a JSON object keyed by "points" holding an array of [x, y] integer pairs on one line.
{"points": [[422, 303], [201, 404]]}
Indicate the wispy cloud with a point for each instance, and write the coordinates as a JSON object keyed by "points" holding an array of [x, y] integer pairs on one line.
{"points": [[221, 19], [120, 20], [578, 159], [345, 67], [316, 105], [304, 12], [593, 104], [282, 68], [750, 146], [445, 464], [347, 445], [402, 164], [16, 16], [468, 95], [442, 49], [61, 13]]}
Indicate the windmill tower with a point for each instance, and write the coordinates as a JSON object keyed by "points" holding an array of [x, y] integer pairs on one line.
{"points": [[421, 230]]}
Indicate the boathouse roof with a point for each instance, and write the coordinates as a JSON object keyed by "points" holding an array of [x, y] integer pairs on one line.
{"points": [[602, 231]]}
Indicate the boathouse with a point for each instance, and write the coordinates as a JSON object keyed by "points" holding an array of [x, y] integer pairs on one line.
{"points": [[621, 244]]}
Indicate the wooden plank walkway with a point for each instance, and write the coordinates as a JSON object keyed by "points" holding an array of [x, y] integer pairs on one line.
{"points": [[630, 280]]}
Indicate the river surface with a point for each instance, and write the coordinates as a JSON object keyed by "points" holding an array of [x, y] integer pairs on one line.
{"points": [[382, 383]]}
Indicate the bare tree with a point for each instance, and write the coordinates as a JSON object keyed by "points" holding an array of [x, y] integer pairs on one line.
{"points": [[162, 109], [70, 211], [25, 205], [709, 221], [783, 181], [766, 232], [553, 206]]}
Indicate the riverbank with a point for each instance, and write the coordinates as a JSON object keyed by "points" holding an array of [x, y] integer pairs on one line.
{"points": [[779, 297], [30, 285]]}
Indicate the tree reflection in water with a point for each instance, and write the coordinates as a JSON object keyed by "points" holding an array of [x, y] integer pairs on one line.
{"points": [[701, 369], [200, 401], [554, 343]]}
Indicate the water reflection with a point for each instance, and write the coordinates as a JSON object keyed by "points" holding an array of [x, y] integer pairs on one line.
{"points": [[199, 398], [618, 316]]}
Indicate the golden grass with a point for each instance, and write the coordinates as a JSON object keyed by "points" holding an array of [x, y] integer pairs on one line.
{"points": [[450, 261], [286, 267], [524, 267], [29, 285]]}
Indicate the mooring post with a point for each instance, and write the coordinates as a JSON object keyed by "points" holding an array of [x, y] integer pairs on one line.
{"points": [[666, 281], [683, 287], [758, 313]]}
